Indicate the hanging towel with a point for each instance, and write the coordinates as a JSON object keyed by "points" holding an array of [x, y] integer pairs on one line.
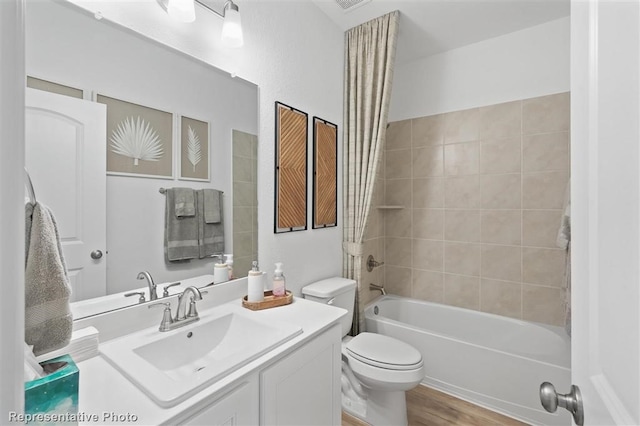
{"points": [[48, 319], [185, 203], [180, 233], [212, 205], [210, 235]]}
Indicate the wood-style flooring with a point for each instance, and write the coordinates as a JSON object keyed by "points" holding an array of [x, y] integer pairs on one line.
{"points": [[429, 407]]}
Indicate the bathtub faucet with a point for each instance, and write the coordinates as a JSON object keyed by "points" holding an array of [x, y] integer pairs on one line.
{"points": [[379, 288]]}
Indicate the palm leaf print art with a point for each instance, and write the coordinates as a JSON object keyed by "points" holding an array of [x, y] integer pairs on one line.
{"points": [[194, 150], [137, 140]]}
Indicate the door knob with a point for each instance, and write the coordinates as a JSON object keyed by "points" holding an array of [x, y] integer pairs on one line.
{"points": [[572, 401], [96, 254]]}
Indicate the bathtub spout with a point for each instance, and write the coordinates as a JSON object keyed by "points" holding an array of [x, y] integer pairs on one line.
{"points": [[380, 288]]}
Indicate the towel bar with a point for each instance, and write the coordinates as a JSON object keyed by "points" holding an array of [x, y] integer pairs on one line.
{"points": [[164, 191], [32, 193]]}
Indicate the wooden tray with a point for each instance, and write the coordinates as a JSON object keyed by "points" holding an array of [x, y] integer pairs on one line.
{"points": [[270, 301]]}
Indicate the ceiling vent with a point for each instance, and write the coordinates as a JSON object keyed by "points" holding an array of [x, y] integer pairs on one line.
{"points": [[349, 5]]}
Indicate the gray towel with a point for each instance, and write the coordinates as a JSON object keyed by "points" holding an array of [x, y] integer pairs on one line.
{"points": [[212, 206], [48, 319], [28, 214], [185, 203], [180, 233], [210, 235]]}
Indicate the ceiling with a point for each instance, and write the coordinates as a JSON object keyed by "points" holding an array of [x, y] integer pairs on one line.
{"points": [[428, 27]]}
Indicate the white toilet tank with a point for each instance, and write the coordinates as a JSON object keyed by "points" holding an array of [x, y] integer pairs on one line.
{"points": [[336, 291]]}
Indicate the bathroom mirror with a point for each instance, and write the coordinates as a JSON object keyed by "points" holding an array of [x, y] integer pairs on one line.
{"points": [[66, 45]]}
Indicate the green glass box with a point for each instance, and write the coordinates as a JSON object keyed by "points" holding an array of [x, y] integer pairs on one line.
{"points": [[54, 396]]}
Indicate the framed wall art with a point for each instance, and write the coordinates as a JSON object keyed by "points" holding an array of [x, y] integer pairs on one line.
{"points": [[194, 149], [291, 169], [139, 139], [325, 173]]}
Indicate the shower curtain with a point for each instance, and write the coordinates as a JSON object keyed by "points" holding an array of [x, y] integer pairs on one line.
{"points": [[369, 57]]}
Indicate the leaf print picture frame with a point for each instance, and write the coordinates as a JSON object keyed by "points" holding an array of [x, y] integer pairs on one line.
{"points": [[139, 139], [194, 149]]}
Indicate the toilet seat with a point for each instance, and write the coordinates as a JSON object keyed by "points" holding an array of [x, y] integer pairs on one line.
{"points": [[384, 352]]}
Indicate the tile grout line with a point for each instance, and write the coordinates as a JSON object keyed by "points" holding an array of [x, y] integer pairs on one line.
{"points": [[521, 210]]}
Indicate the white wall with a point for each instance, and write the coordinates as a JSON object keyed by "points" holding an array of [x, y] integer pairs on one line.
{"points": [[70, 47], [11, 208], [524, 64], [295, 55]]}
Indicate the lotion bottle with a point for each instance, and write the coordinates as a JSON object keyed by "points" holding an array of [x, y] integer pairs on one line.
{"points": [[278, 281], [255, 280], [229, 258]]}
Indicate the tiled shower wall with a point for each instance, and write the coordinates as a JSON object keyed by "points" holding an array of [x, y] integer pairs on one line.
{"points": [[481, 193], [245, 202]]}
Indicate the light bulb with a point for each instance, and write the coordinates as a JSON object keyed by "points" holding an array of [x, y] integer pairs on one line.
{"points": [[232, 29]]}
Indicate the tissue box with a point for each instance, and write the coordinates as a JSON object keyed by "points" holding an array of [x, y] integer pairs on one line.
{"points": [[53, 399]]}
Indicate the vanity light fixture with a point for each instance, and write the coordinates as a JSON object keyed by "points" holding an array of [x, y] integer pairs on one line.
{"points": [[184, 11], [232, 26]]}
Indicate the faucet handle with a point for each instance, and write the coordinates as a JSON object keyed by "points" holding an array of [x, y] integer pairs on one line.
{"points": [[165, 291], [193, 312], [165, 324], [372, 263], [141, 299]]}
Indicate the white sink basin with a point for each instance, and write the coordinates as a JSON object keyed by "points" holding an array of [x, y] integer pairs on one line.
{"points": [[171, 366]]}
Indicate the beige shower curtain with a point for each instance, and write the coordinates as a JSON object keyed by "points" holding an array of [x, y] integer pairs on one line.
{"points": [[369, 57]]}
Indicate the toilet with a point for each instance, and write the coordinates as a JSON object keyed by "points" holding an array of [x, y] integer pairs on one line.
{"points": [[377, 370]]}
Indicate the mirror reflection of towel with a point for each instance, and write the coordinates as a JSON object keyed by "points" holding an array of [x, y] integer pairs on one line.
{"points": [[185, 202], [180, 233], [210, 235], [212, 205]]}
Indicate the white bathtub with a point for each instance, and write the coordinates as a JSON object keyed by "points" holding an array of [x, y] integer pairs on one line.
{"points": [[489, 360]]}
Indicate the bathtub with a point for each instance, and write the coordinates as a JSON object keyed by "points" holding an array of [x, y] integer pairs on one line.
{"points": [[489, 360]]}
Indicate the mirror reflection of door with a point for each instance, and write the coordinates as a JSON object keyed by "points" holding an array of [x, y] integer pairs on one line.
{"points": [[65, 143]]}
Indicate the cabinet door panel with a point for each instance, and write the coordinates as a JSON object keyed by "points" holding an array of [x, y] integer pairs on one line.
{"points": [[238, 407], [304, 387]]}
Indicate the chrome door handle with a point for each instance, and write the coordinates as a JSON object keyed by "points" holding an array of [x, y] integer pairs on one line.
{"points": [[96, 254], [572, 401]]}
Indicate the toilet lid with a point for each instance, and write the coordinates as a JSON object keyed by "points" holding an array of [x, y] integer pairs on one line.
{"points": [[384, 352]]}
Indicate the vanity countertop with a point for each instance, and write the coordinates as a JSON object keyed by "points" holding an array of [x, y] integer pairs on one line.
{"points": [[107, 394]]}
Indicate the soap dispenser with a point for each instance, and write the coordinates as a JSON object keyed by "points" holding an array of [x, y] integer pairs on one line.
{"points": [[255, 292], [220, 271], [278, 281]]}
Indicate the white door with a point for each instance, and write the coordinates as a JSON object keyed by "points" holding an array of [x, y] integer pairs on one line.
{"points": [[65, 157], [605, 209]]}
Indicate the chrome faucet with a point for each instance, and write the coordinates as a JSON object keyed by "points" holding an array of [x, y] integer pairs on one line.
{"points": [[153, 295], [192, 314], [168, 323]]}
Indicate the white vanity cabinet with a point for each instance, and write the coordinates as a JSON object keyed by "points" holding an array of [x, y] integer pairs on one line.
{"points": [[239, 406], [303, 388], [296, 383]]}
